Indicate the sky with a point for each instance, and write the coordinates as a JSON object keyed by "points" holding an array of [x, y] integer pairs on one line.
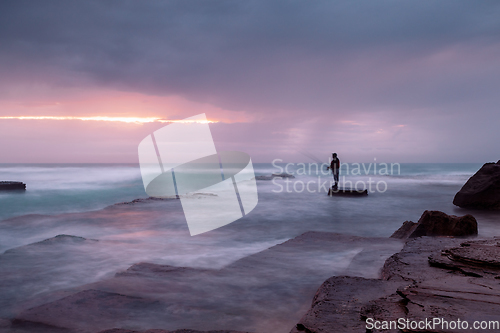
{"points": [[396, 81]]}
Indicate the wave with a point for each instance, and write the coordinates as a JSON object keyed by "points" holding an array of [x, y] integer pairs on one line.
{"points": [[71, 178]]}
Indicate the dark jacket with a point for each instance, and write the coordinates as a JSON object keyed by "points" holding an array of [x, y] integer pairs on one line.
{"points": [[335, 165]]}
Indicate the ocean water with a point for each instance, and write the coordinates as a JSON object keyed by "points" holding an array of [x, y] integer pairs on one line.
{"points": [[80, 200], [403, 193], [63, 188]]}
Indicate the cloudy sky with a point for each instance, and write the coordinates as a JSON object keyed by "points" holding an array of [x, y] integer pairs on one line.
{"points": [[400, 81]]}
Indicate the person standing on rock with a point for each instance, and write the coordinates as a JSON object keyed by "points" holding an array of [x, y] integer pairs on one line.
{"points": [[335, 167]]}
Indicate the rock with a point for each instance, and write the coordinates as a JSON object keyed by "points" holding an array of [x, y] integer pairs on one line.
{"points": [[145, 269], [49, 266], [283, 175], [405, 230], [9, 186], [482, 190], [337, 305], [144, 200], [57, 240], [472, 258], [346, 192], [275, 175], [436, 223], [464, 288], [26, 326], [106, 308], [263, 177], [430, 278], [411, 264], [268, 291], [194, 195]]}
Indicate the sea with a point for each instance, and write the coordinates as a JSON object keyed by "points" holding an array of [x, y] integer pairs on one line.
{"points": [[83, 200], [398, 193]]}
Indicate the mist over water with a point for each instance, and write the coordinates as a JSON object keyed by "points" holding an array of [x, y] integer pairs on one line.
{"points": [[60, 188], [79, 200], [280, 214]]}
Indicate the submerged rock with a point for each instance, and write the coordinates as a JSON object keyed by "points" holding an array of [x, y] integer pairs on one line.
{"points": [[275, 175], [267, 291], [482, 190], [57, 241], [145, 269], [436, 223], [283, 175], [263, 177], [105, 306], [144, 200]]}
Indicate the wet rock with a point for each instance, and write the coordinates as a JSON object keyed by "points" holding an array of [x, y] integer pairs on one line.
{"points": [[12, 186], [444, 278], [264, 177], [482, 190], [405, 230], [145, 269], [26, 326], [411, 264], [58, 240], [283, 175], [275, 175], [265, 292], [338, 302], [458, 283], [475, 258], [48, 266], [106, 308], [436, 223], [144, 200], [346, 192]]}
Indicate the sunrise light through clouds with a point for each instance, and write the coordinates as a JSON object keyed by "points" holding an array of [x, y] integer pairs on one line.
{"points": [[136, 120], [400, 81]]}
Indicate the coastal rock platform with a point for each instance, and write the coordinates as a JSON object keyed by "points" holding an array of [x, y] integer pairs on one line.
{"points": [[440, 277]]}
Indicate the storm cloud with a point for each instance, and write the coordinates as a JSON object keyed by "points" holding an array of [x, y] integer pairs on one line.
{"points": [[425, 72]]}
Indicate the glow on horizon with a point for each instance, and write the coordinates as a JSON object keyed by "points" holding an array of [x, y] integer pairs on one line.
{"points": [[136, 120]]}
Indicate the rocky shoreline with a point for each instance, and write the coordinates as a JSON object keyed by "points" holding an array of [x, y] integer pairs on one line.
{"points": [[445, 277]]}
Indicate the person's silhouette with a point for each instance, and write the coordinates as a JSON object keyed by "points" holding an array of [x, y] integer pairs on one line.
{"points": [[335, 167]]}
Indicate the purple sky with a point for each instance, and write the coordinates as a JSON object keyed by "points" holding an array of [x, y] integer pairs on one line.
{"points": [[400, 81]]}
